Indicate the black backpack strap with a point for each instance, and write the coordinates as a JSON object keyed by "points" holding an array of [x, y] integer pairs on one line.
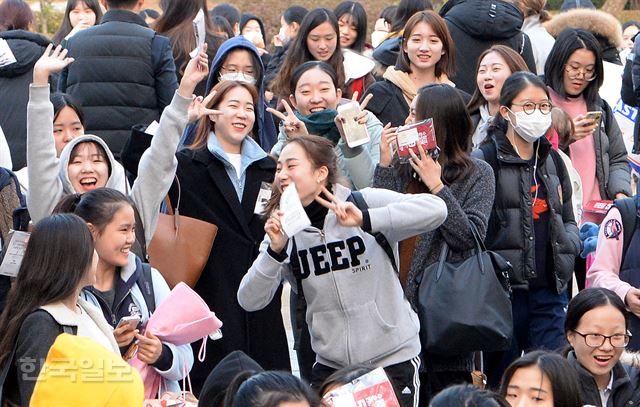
{"points": [[146, 286], [68, 330], [358, 200], [628, 208]]}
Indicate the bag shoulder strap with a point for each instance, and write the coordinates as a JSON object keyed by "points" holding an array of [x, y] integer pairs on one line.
{"points": [[146, 287], [358, 200], [628, 208]]}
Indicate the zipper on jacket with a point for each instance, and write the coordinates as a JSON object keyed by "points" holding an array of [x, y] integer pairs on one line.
{"points": [[335, 284]]}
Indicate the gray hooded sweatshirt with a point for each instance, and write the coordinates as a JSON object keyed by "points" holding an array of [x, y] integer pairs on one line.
{"points": [[49, 178], [356, 308]]}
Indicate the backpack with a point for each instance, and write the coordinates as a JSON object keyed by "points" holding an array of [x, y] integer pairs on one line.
{"points": [[628, 208], [145, 283]]}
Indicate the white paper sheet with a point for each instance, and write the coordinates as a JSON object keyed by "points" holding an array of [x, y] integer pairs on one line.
{"points": [[199, 29], [295, 219]]}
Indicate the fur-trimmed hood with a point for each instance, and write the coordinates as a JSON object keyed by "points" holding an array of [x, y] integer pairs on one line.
{"points": [[601, 24]]}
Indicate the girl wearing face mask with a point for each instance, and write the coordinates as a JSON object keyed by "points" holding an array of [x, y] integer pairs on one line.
{"points": [[318, 40], [223, 177], [541, 379], [86, 163], [289, 26], [597, 328], [121, 284], [465, 184], [78, 15], [315, 98], [495, 65], [426, 57], [356, 309], [531, 222]]}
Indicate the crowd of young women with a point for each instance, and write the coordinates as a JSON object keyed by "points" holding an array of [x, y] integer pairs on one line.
{"points": [[265, 122]]}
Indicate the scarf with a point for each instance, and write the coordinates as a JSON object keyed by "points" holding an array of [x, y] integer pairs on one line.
{"points": [[322, 124], [406, 85]]}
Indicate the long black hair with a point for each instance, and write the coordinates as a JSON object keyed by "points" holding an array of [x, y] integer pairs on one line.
{"points": [[568, 42], [452, 126], [299, 52], [268, 389], [61, 100], [58, 255], [406, 9], [563, 378], [65, 27], [358, 17]]}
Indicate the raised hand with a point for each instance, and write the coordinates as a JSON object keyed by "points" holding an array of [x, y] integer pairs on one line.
{"points": [[198, 108], [196, 70], [293, 127], [274, 230], [428, 169], [389, 136], [347, 213], [49, 63]]}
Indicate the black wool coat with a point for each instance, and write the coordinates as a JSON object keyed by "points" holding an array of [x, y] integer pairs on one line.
{"points": [[208, 194]]}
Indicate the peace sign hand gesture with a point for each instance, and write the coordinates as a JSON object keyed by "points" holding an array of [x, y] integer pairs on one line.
{"points": [[347, 213], [293, 127], [50, 63], [198, 108]]}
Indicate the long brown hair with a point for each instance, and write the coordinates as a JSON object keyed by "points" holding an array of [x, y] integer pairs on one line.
{"points": [[446, 64], [205, 126], [321, 153], [59, 252], [177, 24], [299, 52], [514, 62]]}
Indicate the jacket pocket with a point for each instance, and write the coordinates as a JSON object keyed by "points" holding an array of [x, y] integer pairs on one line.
{"points": [[373, 336]]}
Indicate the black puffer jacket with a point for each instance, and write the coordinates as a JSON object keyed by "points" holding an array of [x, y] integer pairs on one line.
{"points": [[15, 78], [475, 26], [511, 228]]}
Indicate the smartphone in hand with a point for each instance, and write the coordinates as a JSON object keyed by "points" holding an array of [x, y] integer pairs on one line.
{"points": [[132, 321], [595, 116]]}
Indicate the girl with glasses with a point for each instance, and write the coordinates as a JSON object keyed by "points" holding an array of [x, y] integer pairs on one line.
{"points": [[574, 74], [531, 223], [596, 327]]}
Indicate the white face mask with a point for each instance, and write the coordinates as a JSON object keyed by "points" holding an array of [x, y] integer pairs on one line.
{"points": [[530, 126], [238, 76], [283, 36]]}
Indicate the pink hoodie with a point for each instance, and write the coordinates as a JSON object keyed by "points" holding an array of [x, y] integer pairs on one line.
{"points": [[604, 272]]}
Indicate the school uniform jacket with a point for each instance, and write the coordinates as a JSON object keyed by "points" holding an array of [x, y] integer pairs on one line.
{"points": [[209, 195]]}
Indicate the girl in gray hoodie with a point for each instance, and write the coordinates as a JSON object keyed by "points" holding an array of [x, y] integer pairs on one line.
{"points": [[86, 163], [356, 309]]}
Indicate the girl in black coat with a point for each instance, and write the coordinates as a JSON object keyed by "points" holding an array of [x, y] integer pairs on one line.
{"points": [[220, 175], [531, 223], [426, 57]]}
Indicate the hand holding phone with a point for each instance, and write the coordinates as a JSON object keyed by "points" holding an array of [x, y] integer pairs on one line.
{"points": [[132, 321], [352, 121]]}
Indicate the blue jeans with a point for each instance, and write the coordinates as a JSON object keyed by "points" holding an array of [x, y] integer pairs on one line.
{"points": [[538, 323]]}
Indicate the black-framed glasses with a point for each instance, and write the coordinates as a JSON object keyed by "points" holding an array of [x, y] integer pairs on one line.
{"points": [[573, 72], [234, 69], [597, 340], [530, 107]]}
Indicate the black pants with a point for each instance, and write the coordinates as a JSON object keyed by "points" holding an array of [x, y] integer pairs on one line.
{"points": [[403, 376]]}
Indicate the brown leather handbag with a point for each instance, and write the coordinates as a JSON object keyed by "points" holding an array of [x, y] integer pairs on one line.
{"points": [[181, 245]]}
